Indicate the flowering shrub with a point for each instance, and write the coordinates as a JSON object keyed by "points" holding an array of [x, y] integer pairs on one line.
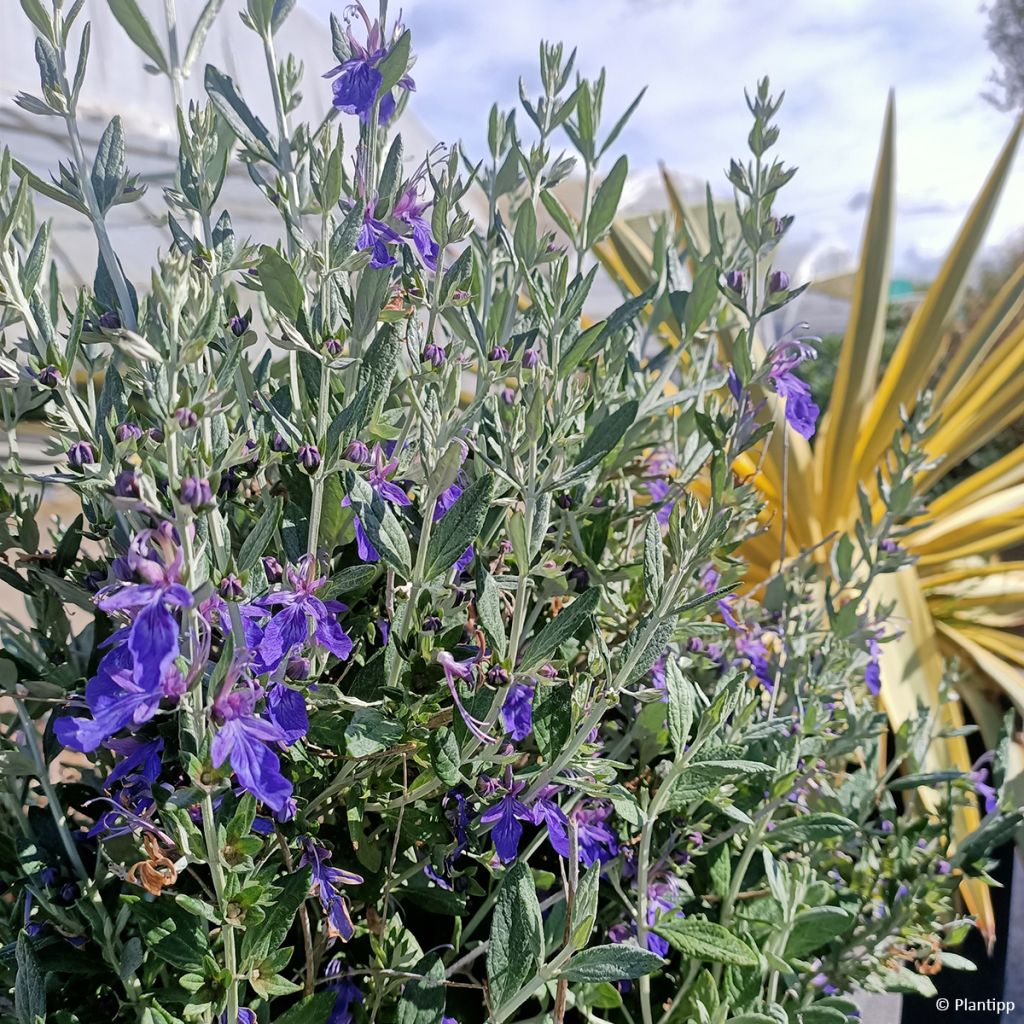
{"points": [[395, 671]]}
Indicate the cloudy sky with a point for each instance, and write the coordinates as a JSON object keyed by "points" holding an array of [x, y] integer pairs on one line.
{"points": [[835, 60]]}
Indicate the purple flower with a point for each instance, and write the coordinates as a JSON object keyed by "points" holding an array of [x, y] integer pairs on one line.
{"points": [[238, 325], [154, 558], [507, 816], [287, 710], [185, 417], [784, 358], [230, 588], [462, 670], [598, 841], [498, 354], [778, 282], [409, 210], [117, 700], [325, 882], [245, 739], [517, 711], [347, 995], [375, 236], [357, 81], [979, 777], [110, 320], [301, 608], [382, 486], [531, 357], [873, 672], [736, 281], [50, 376]]}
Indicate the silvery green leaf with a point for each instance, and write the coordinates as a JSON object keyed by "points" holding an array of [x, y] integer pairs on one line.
{"points": [[814, 928], [396, 63], [390, 176], [606, 201], [584, 906], [459, 527], [35, 13], [681, 705], [257, 539], [281, 284], [369, 732], [375, 376], [517, 934], [810, 828], [282, 8], [423, 999], [139, 31], [29, 983], [706, 940], [560, 629], [619, 961], [248, 128], [552, 718], [445, 756], [654, 560], [602, 440], [488, 610], [199, 33]]}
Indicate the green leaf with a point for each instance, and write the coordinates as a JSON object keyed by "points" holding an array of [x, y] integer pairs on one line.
{"points": [[445, 756], [517, 935], [559, 629], [459, 527], [139, 31], [29, 985], [654, 560], [584, 906], [381, 526], [816, 927], [375, 375], [248, 128], [811, 828], [604, 437], [396, 63], [706, 940], [281, 285], [488, 610], [315, 1009], [108, 168], [606, 201], [423, 1000], [682, 703], [259, 942], [821, 1015], [37, 15], [172, 932], [552, 718], [199, 32], [370, 732], [257, 539], [617, 962]]}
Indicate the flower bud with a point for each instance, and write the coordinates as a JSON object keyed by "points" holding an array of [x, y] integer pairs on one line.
{"points": [[431, 624], [128, 432], [186, 417], [497, 676], [126, 484], [778, 282], [736, 281], [156, 435], [238, 325], [308, 457], [252, 464], [499, 354], [531, 357], [333, 347], [297, 668], [110, 320], [279, 443], [577, 577], [273, 569], [195, 492], [50, 376], [508, 396], [80, 454], [231, 588], [356, 451], [434, 354], [564, 501]]}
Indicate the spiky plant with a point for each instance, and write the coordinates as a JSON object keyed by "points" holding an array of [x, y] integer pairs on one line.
{"points": [[959, 599]]}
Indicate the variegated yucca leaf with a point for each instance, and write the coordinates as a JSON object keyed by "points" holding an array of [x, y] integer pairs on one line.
{"points": [[958, 600]]}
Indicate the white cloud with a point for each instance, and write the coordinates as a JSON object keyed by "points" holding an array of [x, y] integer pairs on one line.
{"points": [[835, 61]]}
